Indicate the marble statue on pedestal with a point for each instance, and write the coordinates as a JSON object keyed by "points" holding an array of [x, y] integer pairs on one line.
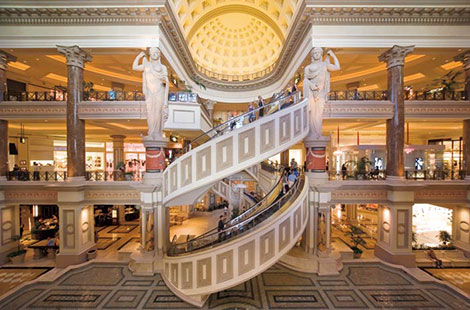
{"points": [[316, 86], [155, 88]]}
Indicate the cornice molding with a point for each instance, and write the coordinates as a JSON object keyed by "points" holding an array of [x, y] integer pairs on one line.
{"points": [[147, 12], [81, 16], [390, 15]]}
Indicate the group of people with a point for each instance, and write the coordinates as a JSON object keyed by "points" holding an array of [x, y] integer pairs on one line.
{"points": [[289, 176]]}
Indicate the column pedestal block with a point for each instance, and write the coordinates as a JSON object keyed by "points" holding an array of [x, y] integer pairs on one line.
{"points": [[142, 264], [63, 260], [405, 259], [154, 158], [315, 167]]}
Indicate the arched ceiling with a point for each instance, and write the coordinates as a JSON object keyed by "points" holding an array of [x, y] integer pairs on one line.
{"points": [[235, 37]]}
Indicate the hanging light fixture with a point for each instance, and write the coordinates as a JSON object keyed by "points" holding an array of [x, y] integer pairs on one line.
{"points": [[338, 152], [408, 149], [22, 138]]}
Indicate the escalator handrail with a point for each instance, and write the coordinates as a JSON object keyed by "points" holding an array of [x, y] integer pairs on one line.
{"points": [[247, 212], [219, 130], [186, 247]]}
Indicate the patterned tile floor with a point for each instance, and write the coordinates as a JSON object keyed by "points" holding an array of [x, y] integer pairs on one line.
{"points": [[359, 286], [460, 277], [12, 277]]}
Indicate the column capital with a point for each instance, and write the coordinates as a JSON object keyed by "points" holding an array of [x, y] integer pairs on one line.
{"points": [[75, 55], [118, 137], [464, 58], [5, 58], [396, 55]]}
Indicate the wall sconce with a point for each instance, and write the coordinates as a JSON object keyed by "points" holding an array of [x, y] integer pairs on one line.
{"points": [[35, 211]]}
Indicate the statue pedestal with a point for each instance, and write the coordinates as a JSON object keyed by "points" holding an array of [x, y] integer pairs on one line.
{"points": [[142, 264], [316, 159], [154, 158]]}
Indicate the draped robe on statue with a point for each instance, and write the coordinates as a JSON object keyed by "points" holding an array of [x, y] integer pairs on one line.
{"points": [[156, 93]]}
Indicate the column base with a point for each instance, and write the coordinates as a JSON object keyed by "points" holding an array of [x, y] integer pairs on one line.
{"points": [[142, 264], [405, 259], [63, 260], [328, 264], [75, 179], [394, 178]]}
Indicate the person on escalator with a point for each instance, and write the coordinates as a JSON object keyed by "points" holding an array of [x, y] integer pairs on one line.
{"points": [[220, 227], [261, 106]]}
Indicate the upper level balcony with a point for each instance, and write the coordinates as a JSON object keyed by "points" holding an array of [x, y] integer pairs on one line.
{"points": [[131, 105]]}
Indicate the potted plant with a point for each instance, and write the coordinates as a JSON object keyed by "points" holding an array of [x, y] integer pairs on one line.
{"points": [[17, 256], [356, 240], [445, 238], [363, 167], [87, 90]]}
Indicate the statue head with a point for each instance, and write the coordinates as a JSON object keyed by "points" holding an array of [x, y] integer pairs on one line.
{"points": [[317, 53], [154, 53]]}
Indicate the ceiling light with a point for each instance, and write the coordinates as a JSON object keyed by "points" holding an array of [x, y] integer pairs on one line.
{"points": [[413, 77], [451, 65], [18, 65]]}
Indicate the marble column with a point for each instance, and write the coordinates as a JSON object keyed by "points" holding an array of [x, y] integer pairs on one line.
{"points": [[395, 60], [285, 158], [464, 58], [118, 150], [76, 59], [3, 149], [5, 58], [466, 148]]}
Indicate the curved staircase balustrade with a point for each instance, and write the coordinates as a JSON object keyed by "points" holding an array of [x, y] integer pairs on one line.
{"points": [[213, 269], [230, 150]]}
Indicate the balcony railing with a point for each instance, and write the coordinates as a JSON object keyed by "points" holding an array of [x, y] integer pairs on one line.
{"points": [[60, 176], [334, 95], [409, 175]]}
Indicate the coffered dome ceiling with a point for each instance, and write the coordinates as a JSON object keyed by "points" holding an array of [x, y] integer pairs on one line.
{"points": [[235, 40]]}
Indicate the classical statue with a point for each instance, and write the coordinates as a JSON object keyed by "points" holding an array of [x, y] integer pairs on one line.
{"points": [[316, 87], [155, 88]]}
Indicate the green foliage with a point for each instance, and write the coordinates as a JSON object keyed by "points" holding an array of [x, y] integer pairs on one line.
{"points": [[356, 239], [445, 238], [87, 90], [19, 251], [235, 212], [199, 83], [448, 82]]}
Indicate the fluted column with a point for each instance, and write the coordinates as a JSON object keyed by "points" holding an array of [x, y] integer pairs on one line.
{"points": [[465, 59], [5, 58], [76, 59], [118, 149], [395, 60], [466, 148]]}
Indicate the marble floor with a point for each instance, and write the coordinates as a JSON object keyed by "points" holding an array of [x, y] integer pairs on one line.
{"points": [[359, 286], [460, 277]]}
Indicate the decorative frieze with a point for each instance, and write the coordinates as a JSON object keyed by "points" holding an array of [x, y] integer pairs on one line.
{"points": [[440, 195], [357, 194], [30, 196], [107, 195]]}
